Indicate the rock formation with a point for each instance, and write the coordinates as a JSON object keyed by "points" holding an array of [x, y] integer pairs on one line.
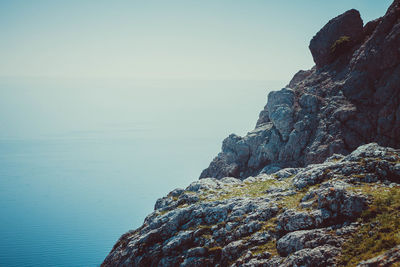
{"points": [[311, 216], [316, 183], [351, 97]]}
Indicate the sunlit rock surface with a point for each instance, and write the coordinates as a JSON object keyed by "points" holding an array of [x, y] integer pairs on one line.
{"points": [[306, 218]]}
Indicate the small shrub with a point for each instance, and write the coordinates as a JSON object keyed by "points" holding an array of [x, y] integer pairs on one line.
{"points": [[341, 45]]}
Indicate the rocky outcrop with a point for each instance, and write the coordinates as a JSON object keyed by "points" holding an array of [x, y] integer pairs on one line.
{"points": [[316, 183], [348, 26], [351, 97], [295, 217]]}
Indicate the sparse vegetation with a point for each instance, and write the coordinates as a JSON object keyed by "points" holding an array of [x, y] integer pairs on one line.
{"points": [[341, 45], [292, 201], [269, 247], [381, 226], [247, 189], [162, 212]]}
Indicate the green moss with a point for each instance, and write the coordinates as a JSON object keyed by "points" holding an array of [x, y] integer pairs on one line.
{"points": [[380, 230]]}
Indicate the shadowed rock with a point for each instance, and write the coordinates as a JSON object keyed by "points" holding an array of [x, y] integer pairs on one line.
{"points": [[348, 26]]}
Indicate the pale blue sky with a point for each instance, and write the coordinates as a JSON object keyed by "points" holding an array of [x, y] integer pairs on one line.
{"points": [[245, 40]]}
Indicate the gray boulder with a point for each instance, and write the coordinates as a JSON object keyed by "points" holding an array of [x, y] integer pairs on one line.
{"points": [[349, 25], [299, 240], [319, 256]]}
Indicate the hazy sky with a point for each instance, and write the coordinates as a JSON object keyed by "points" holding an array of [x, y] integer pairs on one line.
{"points": [[256, 40]]}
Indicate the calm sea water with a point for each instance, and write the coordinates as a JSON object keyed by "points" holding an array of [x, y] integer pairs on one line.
{"points": [[83, 162]]}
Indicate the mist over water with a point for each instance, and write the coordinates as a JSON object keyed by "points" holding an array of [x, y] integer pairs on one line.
{"points": [[82, 162]]}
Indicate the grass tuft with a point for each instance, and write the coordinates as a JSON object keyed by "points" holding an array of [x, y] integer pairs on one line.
{"points": [[269, 247], [381, 226], [250, 189]]}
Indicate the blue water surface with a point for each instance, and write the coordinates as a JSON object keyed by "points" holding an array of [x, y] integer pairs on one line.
{"points": [[83, 162]]}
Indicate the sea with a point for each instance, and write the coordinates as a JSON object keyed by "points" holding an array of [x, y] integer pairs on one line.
{"points": [[83, 161]]}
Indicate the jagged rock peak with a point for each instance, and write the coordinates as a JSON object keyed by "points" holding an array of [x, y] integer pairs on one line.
{"points": [[339, 34], [351, 97]]}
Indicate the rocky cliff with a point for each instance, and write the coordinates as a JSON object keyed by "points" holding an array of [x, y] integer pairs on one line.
{"points": [[351, 97], [316, 183], [340, 212]]}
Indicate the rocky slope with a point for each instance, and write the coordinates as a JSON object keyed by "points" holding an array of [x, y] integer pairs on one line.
{"points": [[314, 184], [342, 211]]}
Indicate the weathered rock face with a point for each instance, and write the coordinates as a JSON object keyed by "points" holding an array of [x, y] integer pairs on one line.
{"points": [[349, 26], [295, 217], [349, 99], [280, 108]]}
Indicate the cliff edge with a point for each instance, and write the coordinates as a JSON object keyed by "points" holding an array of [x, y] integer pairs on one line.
{"points": [[316, 183]]}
